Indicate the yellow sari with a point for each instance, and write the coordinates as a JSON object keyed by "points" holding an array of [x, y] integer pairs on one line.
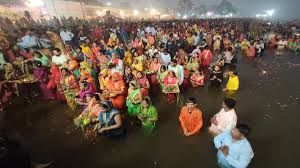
{"points": [[104, 77]]}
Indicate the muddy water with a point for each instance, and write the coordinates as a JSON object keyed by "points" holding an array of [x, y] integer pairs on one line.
{"points": [[268, 101]]}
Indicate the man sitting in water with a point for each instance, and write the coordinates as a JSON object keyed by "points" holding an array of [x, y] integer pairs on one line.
{"points": [[110, 123], [225, 120], [234, 150], [190, 118]]}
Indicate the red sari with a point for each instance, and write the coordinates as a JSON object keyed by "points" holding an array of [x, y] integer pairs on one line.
{"points": [[55, 81], [143, 84], [205, 57], [154, 67], [116, 89], [197, 80], [89, 79], [171, 96], [186, 81]]}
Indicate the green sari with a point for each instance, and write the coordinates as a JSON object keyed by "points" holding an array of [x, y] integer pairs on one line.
{"points": [[148, 117], [133, 109], [44, 59], [161, 77], [191, 66]]}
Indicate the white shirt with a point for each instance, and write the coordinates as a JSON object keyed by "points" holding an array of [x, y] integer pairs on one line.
{"points": [[59, 60], [165, 58], [119, 68], [66, 36], [259, 47], [281, 44], [178, 70], [226, 120], [196, 40], [28, 41], [228, 57]]}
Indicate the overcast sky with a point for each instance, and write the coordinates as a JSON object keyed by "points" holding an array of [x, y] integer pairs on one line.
{"points": [[284, 8]]}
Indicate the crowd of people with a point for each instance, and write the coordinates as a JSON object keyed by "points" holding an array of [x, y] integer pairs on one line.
{"points": [[111, 70]]}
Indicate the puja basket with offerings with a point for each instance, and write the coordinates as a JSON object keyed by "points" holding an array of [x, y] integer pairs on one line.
{"points": [[171, 88]]}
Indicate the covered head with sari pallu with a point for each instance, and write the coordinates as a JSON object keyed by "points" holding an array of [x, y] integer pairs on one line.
{"points": [[70, 88], [171, 87], [116, 90], [144, 83], [134, 98], [104, 77], [148, 115], [153, 69]]}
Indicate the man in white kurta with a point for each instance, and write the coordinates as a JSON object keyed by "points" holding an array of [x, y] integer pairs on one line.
{"points": [[225, 120]]}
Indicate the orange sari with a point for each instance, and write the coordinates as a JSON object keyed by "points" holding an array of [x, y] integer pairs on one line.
{"points": [[116, 90]]}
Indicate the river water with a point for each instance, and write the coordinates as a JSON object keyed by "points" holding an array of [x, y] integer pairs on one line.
{"points": [[268, 101]]}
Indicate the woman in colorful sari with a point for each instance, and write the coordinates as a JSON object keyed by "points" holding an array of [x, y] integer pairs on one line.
{"points": [[134, 98], [197, 79], [73, 67], [170, 79], [161, 74], [70, 87], [104, 77], [116, 90], [205, 57], [69, 52], [86, 50], [41, 74], [217, 42], [110, 122], [144, 83], [85, 89], [186, 80], [137, 43], [87, 72], [102, 61], [181, 57], [128, 77], [89, 79], [117, 64], [251, 51], [128, 58], [137, 66], [153, 69], [90, 114], [193, 64], [54, 82], [148, 115], [245, 46], [95, 49]]}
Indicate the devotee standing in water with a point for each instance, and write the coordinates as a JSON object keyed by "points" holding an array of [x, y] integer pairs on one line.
{"points": [[216, 77], [190, 118], [234, 150], [148, 115], [178, 70], [225, 120], [232, 85], [110, 122]]}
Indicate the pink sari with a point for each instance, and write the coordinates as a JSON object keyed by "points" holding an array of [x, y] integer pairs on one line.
{"points": [[154, 67], [171, 96], [197, 80], [143, 84]]}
